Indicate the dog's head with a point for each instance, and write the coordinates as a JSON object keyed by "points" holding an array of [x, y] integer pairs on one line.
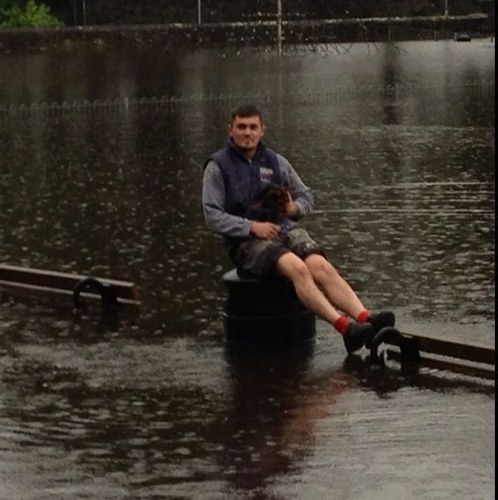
{"points": [[273, 199]]}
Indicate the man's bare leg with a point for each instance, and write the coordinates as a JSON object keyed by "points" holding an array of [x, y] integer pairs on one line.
{"points": [[342, 296], [292, 267], [334, 286], [355, 335]]}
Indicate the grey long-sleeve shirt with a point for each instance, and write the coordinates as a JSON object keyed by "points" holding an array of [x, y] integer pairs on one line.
{"points": [[233, 226]]}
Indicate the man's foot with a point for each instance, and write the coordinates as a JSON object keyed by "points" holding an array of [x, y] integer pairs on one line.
{"points": [[356, 335], [379, 320]]}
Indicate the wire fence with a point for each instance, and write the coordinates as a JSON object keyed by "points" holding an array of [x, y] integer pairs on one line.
{"points": [[335, 95]]}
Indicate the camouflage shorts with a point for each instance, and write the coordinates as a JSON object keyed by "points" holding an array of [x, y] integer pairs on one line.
{"points": [[258, 257]]}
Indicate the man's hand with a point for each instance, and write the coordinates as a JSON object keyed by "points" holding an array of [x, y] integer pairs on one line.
{"points": [[291, 209], [264, 230]]}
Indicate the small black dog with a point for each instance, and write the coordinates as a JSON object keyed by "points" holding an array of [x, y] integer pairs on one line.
{"points": [[271, 203]]}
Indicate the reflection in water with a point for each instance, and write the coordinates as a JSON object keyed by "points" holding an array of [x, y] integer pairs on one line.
{"points": [[278, 401], [112, 410], [390, 82], [398, 149], [268, 428], [90, 73]]}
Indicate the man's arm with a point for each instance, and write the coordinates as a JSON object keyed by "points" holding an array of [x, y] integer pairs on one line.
{"points": [[213, 204]]}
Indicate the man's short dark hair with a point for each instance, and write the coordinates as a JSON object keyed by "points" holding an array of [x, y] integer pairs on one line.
{"points": [[246, 110]]}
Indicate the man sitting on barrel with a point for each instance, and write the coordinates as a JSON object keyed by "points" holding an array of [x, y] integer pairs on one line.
{"points": [[254, 198]]}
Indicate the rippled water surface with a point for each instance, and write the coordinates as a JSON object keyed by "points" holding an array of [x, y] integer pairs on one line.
{"points": [[397, 144]]}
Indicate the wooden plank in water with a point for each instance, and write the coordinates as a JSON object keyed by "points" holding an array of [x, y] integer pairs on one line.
{"points": [[477, 352], [451, 365], [56, 279], [57, 286]]}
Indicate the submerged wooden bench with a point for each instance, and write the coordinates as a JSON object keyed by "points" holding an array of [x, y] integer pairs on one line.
{"points": [[437, 352], [57, 288]]}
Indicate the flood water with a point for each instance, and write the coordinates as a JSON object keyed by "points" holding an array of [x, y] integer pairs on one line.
{"points": [[397, 145]]}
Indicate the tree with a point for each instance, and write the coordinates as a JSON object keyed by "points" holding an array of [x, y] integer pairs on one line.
{"points": [[13, 14]]}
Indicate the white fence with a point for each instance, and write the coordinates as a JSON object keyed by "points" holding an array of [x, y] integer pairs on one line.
{"points": [[338, 94]]}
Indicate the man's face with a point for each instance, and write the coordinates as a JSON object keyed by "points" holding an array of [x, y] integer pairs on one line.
{"points": [[246, 132]]}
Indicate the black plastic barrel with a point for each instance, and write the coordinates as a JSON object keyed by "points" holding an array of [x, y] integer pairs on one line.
{"points": [[264, 311]]}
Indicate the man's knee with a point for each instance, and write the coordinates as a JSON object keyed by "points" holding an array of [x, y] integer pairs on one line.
{"points": [[292, 266], [320, 268]]}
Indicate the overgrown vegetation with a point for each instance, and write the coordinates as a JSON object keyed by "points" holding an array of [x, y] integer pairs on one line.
{"points": [[29, 14]]}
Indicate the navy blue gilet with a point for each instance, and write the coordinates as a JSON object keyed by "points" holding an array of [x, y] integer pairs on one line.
{"points": [[245, 179]]}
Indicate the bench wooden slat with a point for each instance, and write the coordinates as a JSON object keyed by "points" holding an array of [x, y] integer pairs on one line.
{"points": [[445, 364], [477, 352], [60, 281], [55, 294]]}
